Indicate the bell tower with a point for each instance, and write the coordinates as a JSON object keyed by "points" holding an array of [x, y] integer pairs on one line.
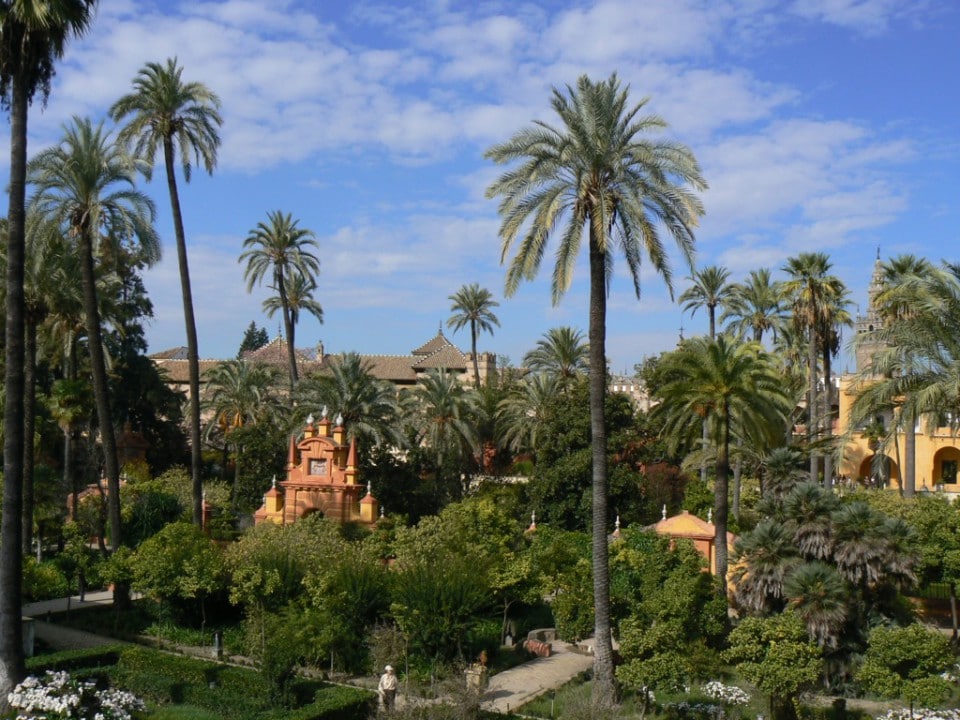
{"points": [[869, 322]]}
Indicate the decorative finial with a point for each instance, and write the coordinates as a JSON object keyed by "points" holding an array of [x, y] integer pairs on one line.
{"points": [[381, 511], [339, 420], [323, 413], [663, 512], [369, 488], [274, 482], [533, 518], [616, 523], [710, 515], [310, 419]]}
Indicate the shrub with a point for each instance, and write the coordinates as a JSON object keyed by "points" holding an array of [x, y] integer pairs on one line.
{"points": [[43, 580], [57, 695]]}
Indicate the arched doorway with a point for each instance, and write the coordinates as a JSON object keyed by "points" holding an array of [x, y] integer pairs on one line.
{"points": [[946, 463], [879, 471]]}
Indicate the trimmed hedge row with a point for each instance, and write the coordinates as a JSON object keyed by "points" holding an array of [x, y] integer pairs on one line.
{"points": [[230, 692]]}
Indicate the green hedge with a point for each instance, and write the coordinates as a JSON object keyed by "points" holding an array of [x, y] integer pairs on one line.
{"points": [[236, 693], [74, 661]]}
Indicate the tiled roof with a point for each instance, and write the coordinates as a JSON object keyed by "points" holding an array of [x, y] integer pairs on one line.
{"points": [[439, 352], [447, 357], [437, 343]]}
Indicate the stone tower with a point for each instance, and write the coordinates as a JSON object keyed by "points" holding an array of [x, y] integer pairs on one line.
{"points": [[870, 321]]}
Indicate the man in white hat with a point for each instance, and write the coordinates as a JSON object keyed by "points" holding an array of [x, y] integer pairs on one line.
{"points": [[388, 688]]}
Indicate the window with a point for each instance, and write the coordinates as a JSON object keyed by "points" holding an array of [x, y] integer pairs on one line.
{"points": [[949, 472]]}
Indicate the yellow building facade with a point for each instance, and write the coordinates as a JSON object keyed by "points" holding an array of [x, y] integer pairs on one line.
{"points": [[865, 459]]}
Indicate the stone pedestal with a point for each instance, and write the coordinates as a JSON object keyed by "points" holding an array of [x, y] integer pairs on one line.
{"points": [[476, 677]]}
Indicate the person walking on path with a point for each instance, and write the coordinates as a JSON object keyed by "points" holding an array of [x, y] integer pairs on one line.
{"points": [[388, 688]]}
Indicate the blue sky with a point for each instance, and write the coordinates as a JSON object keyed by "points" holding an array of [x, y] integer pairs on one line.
{"points": [[826, 125]]}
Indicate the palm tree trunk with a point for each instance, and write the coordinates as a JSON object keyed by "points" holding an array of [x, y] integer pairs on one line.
{"points": [[473, 347], [288, 327], [812, 428], [193, 351], [29, 428], [12, 668], [827, 417], [101, 391], [604, 688], [910, 455], [720, 502]]}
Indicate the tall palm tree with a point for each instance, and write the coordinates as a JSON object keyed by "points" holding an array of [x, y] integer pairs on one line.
{"points": [[894, 304], [181, 118], [562, 352], [368, 405], [710, 290], [86, 186], [808, 291], [473, 306], [598, 170], [754, 307], [280, 249], [834, 318], [438, 410], [240, 393], [523, 414], [735, 387], [33, 36]]}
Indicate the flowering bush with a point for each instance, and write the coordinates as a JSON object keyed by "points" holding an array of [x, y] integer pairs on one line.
{"points": [[57, 696], [920, 714], [726, 694]]}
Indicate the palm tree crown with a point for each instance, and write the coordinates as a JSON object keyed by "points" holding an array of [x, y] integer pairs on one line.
{"points": [[562, 352], [596, 170], [473, 306], [280, 250], [710, 290]]}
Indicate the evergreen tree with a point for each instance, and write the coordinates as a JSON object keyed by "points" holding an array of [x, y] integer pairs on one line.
{"points": [[254, 338]]}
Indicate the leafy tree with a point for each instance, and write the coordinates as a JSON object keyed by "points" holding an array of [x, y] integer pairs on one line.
{"points": [[166, 112], [907, 663], [254, 338], [436, 602], [937, 524], [473, 306], [281, 250], [597, 169], [33, 36], [179, 563], [85, 185], [775, 654]]}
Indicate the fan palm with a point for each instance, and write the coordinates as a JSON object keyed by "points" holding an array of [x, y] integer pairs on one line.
{"points": [[735, 387], [181, 118], [764, 558], [33, 36], [85, 185], [281, 250], [369, 406], [808, 508], [597, 170], [818, 595], [562, 352], [473, 306]]}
